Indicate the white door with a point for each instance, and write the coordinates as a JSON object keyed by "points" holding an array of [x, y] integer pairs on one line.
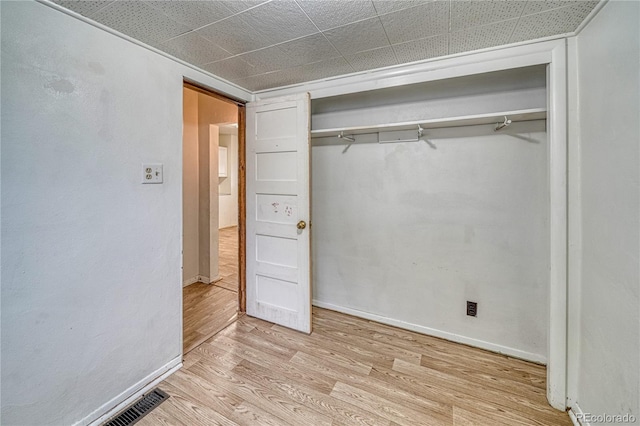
{"points": [[278, 210]]}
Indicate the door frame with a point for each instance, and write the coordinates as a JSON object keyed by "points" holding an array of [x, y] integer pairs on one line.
{"points": [[242, 209], [563, 272]]}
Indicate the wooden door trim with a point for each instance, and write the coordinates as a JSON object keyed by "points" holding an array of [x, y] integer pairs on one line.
{"points": [[242, 210], [213, 94]]}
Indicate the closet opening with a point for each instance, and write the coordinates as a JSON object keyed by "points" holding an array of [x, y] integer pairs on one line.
{"points": [[213, 214], [429, 195]]}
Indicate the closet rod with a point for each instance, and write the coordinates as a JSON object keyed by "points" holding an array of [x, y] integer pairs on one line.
{"points": [[467, 120]]}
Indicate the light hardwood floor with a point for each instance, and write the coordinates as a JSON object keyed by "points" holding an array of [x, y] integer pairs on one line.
{"points": [[228, 258], [349, 371], [210, 308]]}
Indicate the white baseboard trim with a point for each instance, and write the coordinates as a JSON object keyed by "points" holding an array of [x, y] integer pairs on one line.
{"points": [[201, 279], [190, 281], [505, 350], [575, 412], [134, 392]]}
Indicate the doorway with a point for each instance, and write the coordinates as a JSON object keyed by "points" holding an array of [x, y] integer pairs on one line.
{"points": [[213, 214]]}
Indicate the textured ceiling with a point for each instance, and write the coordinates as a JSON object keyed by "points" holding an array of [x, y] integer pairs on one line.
{"points": [[265, 44]]}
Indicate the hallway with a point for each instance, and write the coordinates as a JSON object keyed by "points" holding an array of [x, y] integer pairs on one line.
{"points": [[210, 308]]}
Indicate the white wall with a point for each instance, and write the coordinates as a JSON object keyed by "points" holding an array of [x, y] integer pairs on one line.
{"points": [[229, 185], [410, 232], [609, 134], [91, 279]]}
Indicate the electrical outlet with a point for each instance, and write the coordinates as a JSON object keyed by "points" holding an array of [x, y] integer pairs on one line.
{"points": [[152, 173], [472, 309]]}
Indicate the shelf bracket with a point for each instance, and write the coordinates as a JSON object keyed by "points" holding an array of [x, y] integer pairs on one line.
{"points": [[346, 138], [500, 126]]}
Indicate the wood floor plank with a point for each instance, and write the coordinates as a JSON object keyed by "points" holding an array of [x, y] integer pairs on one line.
{"points": [[207, 308], [247, 351], [432, 345], [319, 401], [441, 351], [375, 347], [263, 397], [350, 371], [526, 407], [349, 350], [239, 351], [213, 310], [189, 411], [266, 346], [402, 415], [435, 392], [249, 414], [214, 351], [478, 377], [204, 392], [292, 340], [293, 374], [462, 417], [160, 416], [420, 400]]}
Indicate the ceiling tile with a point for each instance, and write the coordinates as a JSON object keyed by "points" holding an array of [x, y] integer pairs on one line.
{"points": [[262, 44], [481, 37], [388, 6], [418, 22], [467, 14], [192, 48], [357, 37], [140, 21], [192, 13], [234, 35], [424, 48], [237, 6], [536, 6], [268, 59], [302, 51], [552, 22], [313, 48], [279, 21], [336, 13], [325, 69], [273, 79], [371, 59], [85, 7], [231, 69]]}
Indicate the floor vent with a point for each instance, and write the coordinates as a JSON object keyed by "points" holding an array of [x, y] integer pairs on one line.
{"points": [[139, 409]]}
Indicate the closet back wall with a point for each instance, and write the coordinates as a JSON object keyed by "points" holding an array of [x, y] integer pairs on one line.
{"points": [[408, 232]]}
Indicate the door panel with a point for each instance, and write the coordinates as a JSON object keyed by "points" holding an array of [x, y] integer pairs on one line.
{"points": [[278, 253]]}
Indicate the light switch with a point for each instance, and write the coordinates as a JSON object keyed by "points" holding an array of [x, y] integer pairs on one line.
{"points": [[152, 173]]}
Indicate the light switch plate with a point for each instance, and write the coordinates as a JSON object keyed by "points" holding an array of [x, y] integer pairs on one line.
{"points": [[152, 173]]}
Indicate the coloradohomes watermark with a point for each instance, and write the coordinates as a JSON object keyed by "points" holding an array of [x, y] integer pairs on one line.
{"points": [[589, 418]]}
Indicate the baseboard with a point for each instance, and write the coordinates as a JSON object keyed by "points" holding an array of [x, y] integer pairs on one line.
{"points": [[577, 415], [134, 392], [190, 281], [505, 350], [201, 279]]}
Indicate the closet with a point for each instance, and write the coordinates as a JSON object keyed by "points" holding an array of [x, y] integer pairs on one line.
{"points": [[429, 195]]}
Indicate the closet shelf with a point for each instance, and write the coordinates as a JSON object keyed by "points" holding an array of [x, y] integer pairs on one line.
{"points": [[466, 120]]}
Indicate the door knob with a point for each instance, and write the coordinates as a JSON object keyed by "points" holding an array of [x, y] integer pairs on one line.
{"points": [[302, 224]]}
